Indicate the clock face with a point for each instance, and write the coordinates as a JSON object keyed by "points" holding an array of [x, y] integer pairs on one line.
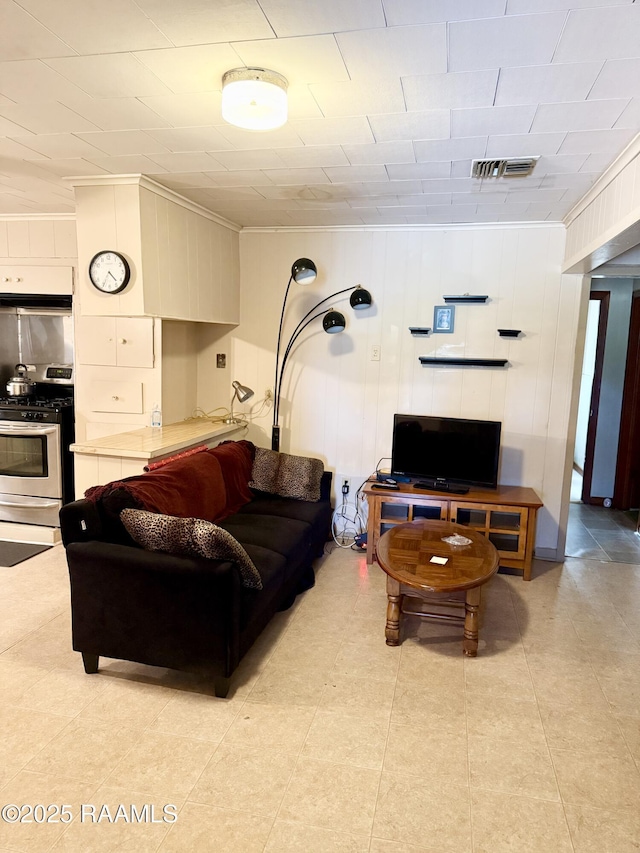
{"points": [[109, 272]]}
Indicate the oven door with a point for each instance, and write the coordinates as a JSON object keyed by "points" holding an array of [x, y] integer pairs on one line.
{"points": [[30, 460]]}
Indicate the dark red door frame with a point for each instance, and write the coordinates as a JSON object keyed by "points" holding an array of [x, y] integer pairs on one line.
{"points": [[627, 485]]}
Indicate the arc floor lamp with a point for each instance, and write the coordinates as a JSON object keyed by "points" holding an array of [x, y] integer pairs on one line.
{"points": [[304, 271]]}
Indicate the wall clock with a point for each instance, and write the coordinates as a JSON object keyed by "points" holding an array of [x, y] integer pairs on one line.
{"points": [[109, 272]]}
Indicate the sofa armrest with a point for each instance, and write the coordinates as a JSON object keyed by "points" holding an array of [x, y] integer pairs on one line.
{"points": [[325, 486], [80, 522]]}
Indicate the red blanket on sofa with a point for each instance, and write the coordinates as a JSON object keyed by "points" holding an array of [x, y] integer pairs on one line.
{"points": [[210, 485]]}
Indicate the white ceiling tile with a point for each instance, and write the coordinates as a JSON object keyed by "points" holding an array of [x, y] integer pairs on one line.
{"points": [[22, 37], [619, 78], [247, 178], [581, 181], [115, 113], [492, 120], [313, 155], [596, 141], [460, 168], [521, 7], [283, 137], [488, 197], [355, 174], [630, 117], [47, 117], [302, 104], [359, 97], [189, 180], [190, 69], [450, 149], [537, 195], [127, 165], [285, 177], [395, 51], [381, 152], [10, 128], [204, 22], [31, 79], [617, 29], [524, 145], [72, 166], [546, 84], [560, 164], [333, 131], [448, 91], [254, 159], [458, 185], [109, 76], [191, 139], [308, 59], [14, 150], [496, 42], [581, 115], [401, 12], [58, 145], [92, 26], [432, 124], [407, 171], [195, 110], [241, 193], [123, 142], [305, 17], [187, 162]]}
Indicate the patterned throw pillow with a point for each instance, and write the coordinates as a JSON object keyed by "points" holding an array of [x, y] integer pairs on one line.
{"points": [[289, 476], [192, 536]]}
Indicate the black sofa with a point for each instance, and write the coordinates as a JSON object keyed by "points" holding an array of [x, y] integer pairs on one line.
{"points": [[187, 612]]}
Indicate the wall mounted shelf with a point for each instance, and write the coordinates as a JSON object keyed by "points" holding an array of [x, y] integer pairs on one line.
{"points": [[462, 362], [419, 330], [466, 297], [509, 333]]}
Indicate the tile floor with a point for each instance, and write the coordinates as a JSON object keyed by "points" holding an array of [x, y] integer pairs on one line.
{"points": [[332, 741]]}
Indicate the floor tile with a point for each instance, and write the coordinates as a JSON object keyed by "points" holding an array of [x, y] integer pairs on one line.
{"points": [[294, 837], [277, 727], [519, 765], [601, 781], [199, 826], [332, 796], [348, 737], [503, 823], [599, 830]]}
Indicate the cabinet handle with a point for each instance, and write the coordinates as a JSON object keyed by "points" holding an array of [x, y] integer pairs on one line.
{"points": [[115, 398], [123, 340]]}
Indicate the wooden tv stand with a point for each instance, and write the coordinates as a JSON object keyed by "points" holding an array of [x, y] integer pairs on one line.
{"points": [[506, 515]]}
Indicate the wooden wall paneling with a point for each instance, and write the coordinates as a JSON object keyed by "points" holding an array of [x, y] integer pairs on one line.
{"points": [[151, 247], [18, 239]]}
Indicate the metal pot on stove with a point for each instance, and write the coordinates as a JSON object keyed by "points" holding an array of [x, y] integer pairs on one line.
{"points": [[20, 385]]}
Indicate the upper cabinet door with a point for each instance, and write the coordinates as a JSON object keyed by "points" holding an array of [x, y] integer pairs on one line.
{"points": [[116, 341]]}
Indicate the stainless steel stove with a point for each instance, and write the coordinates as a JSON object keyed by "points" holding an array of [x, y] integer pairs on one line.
{"points": [[36, 465]]}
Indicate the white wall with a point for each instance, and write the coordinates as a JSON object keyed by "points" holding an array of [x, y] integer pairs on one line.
{"points": [[338, 404], [586, 383]]}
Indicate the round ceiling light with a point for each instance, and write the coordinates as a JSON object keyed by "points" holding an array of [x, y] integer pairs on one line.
{"points": [[254, 98]]}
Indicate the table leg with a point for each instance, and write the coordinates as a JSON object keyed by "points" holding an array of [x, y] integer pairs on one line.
{"points": [[471, 607], [392, 628]]}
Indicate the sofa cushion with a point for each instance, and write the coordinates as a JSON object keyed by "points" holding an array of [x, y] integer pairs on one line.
{"points": [[157, 532], [285, 536], [236, 460], [289, 476]]}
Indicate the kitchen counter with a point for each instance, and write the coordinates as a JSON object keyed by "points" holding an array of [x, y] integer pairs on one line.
{"points": [[151, 443], [112, 457]]}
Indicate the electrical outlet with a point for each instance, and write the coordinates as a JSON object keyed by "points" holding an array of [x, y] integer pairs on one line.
{"points": [[375, 352], [221, 359]]}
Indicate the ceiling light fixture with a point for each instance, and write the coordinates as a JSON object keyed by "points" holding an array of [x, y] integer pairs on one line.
{"points": [[254, 98]]}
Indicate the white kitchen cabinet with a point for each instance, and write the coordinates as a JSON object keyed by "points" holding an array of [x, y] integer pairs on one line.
{"points": [[116, 396], [116, 341]]}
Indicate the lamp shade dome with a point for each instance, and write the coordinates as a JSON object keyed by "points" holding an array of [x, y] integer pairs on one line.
{"points": [[360, 298], [304, 271], [333, 322]]}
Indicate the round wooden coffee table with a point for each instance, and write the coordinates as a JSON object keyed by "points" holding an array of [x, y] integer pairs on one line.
{"points": [[420, 567]]}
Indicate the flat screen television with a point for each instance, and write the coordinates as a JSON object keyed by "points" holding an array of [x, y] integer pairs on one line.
{"points": [[446, 452]]}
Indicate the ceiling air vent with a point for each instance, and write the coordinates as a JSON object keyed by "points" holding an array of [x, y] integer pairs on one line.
{"points": [[507, 168]]}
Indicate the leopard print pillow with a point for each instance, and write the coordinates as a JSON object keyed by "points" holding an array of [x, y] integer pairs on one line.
{"points": [[192, 536], [289, 476]]}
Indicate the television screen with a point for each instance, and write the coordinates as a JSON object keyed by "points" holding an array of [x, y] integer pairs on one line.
{"points": [[453, 450]]}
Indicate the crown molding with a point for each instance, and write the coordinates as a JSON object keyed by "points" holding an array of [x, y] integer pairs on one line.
{"points": [[153, 186], [442, 226], [619, 164]]}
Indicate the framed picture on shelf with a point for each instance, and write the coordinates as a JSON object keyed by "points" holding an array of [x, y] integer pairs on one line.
{"points": [[443, 318]]}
